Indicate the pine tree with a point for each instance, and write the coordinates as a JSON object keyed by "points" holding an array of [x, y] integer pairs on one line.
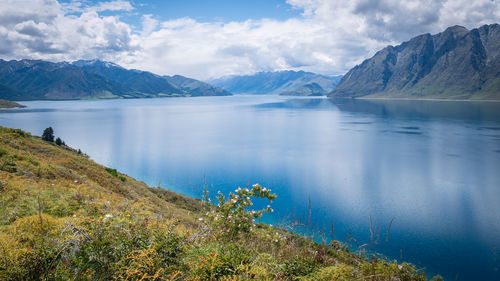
{"points": [[48, 134], [59, 141]]}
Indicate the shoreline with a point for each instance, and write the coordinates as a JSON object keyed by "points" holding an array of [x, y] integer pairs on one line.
{"points": [[413, 99]]}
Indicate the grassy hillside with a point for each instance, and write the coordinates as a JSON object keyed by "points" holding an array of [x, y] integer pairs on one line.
{"points": [[10, 104], [64, 217]]}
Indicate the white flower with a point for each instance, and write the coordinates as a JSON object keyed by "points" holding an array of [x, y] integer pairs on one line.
{"points": [[108, 216], [200, 219]]}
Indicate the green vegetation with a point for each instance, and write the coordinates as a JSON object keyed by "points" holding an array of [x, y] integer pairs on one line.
{"points": [[114, 172], [64, 217]]}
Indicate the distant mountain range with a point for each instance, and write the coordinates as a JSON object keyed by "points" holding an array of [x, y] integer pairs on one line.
{"points": [[40, 80], [311, 89], [279, 82], [455, 64]]}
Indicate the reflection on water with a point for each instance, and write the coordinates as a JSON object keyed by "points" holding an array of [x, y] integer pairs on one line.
{"points": [[432, 166]]}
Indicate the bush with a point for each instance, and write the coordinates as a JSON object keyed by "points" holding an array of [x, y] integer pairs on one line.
{"points": [[339, 273], [298, 266], [231, 216], [59, 141], [115, 174], [213, 261]]}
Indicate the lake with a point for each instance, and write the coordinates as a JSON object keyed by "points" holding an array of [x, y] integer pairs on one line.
{"points": [[432, 167]]}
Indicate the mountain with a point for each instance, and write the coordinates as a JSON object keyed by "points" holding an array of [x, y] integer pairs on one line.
{"points": [[455, 64], [35, 79], [274, 82], [9, 93], [135, 81], [311, 89], [144, 82], [40, 80], [196, 87]]}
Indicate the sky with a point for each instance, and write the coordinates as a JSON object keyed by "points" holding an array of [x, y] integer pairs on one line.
{"points": [[208, 39]]}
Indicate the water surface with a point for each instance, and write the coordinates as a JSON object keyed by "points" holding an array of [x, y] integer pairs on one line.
{"points": [[432, 166]]}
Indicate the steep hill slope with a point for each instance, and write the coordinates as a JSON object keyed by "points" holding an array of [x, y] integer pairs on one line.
{"points": [[455, 64], [64, 217], [274, 82]]}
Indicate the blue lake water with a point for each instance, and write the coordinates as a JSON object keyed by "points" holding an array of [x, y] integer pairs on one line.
{"points": [[433, 166]]}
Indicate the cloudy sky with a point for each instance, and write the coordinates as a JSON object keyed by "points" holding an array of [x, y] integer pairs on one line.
{"points": [[207, 39]]}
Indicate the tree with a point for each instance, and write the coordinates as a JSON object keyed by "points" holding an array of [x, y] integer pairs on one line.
{"points": [[48, 134], [59, 141]]}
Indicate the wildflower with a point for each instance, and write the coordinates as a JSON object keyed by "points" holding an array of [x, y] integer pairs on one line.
{"points": [[128, 215], [200, 219], [108, 216]]}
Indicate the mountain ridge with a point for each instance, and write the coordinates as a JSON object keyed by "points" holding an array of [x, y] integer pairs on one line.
{"points": [[43, 80], [455, 64]]}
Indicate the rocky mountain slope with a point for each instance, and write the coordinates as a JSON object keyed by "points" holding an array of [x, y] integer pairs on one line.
{"points": [[455, 64]]}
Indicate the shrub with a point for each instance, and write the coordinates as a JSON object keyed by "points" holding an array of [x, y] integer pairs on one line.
{"points": [[59, 141], [298, 266], [115, 174], [231, 216], [213, 261], [8, 165], [338, 273]]}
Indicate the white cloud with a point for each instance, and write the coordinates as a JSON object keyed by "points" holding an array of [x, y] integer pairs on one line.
{"points": [[330, 37]]}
